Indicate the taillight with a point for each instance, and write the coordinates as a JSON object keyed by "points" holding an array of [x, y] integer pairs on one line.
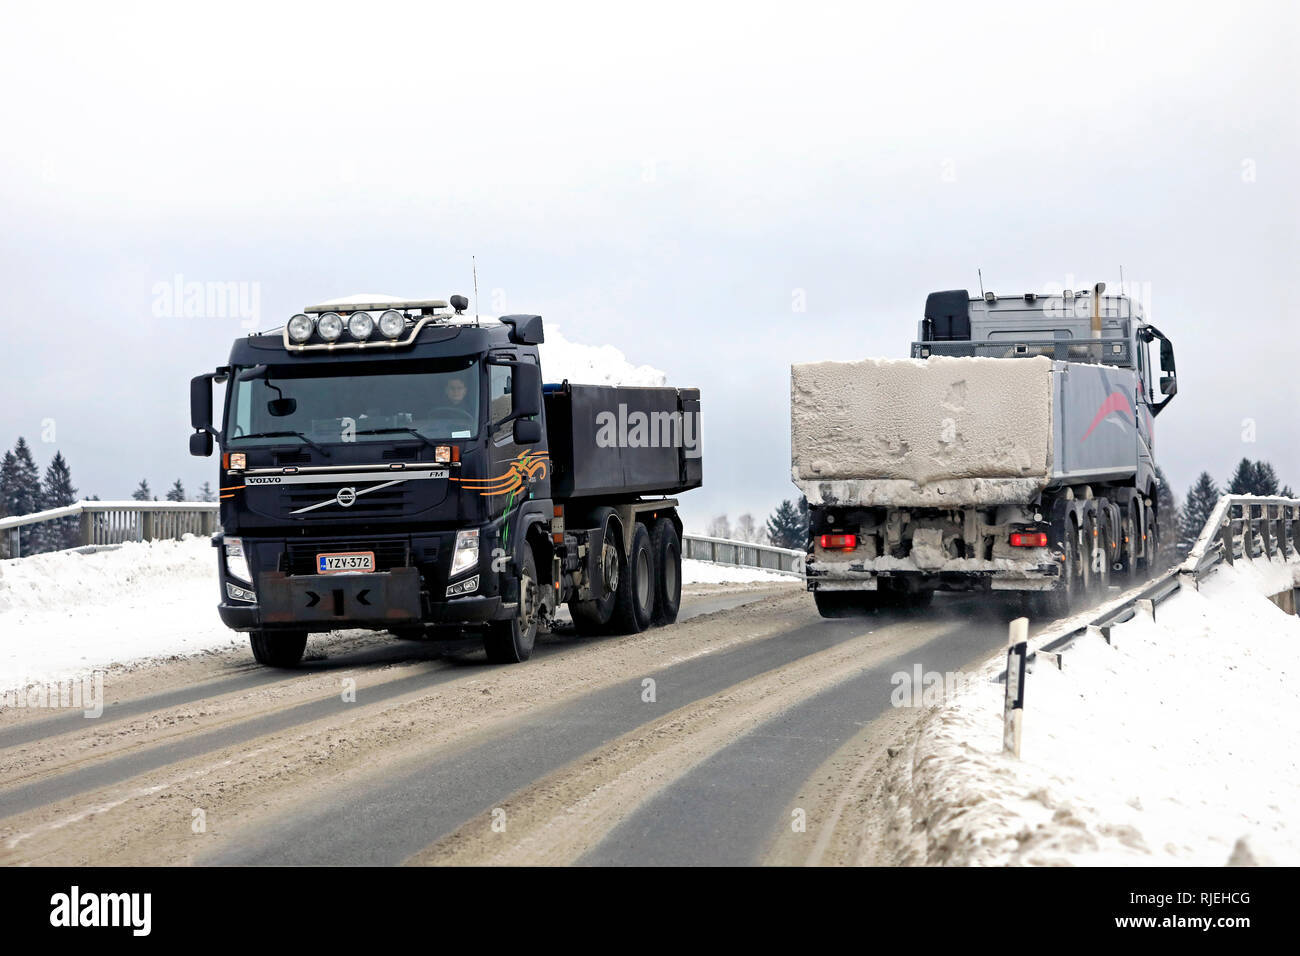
{"points": [[839, 542], [1029, 539]]}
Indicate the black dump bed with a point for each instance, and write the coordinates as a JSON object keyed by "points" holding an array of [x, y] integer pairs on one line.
{"points": [[622, 441]]}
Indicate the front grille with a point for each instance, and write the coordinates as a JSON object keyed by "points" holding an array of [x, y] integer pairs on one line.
{"points": [[386, 501], [299, 557], [401, 454], [291, 457]]}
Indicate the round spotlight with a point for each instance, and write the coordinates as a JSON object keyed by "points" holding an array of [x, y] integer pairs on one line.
{"points": [[301, 328], [391, 324], [330, 326], [361, 325]]}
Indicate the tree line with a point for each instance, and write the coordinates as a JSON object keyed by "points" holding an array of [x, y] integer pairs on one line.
{"points": [[24, 490]]}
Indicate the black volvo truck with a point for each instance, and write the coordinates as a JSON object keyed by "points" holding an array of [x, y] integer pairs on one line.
{"points": [[399, 466]]}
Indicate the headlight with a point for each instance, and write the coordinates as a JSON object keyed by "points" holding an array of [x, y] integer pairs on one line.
{"points": [[391, 324], [442, 454], [236, 562], [330, 326], [466, 554], [301, 328], [361, 325]]}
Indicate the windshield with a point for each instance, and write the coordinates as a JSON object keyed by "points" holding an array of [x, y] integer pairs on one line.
{"points": [[359, 403]]}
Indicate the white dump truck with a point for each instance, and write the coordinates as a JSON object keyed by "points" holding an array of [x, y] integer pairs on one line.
{"points": [[1012, 451]]}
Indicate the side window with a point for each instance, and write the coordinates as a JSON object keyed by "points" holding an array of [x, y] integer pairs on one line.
{"points": [[500, 379]]}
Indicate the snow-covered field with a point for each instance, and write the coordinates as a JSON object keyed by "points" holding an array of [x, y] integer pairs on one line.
{"points": [[65, 614], [1167, 748]]}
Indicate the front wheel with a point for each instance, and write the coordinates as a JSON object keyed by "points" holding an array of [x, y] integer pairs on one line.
{"points": [[278, 648], [511, 642]]}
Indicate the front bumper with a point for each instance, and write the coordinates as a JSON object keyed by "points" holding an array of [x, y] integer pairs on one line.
{"points": [[999, 574]]}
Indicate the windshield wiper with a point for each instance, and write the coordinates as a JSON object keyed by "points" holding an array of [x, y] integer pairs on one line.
{"points": [[320, 448], [392, 431]]}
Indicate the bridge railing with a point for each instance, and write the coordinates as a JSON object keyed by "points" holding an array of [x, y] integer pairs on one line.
{"points": [[89, 523], [106, 523]]}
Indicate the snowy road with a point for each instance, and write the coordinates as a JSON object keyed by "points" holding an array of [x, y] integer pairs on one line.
{"points": [[739, 735]]}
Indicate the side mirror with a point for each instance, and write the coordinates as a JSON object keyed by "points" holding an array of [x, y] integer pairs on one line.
{"points": [[201, 402], [527, 431], [526, 394], [1168, 385], [201, 444], [1166, 355]]}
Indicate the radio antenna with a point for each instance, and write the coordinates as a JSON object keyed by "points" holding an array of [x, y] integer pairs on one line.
{"points": [[980, 273], [474, 266]]}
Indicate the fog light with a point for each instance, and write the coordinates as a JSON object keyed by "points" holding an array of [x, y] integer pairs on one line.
{"points": [[468, 586], [236, 593]]}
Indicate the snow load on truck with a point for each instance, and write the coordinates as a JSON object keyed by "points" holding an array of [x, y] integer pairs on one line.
{"points": [[921, 433]]}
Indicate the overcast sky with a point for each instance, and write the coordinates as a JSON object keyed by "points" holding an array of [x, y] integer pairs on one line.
{"points": [[661, 178]]}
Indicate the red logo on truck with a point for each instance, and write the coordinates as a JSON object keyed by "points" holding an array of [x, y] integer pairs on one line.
{"points": [[1115, 402]]}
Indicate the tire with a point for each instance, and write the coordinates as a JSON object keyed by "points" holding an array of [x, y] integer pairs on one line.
{"points": [[1098, 543], [634, 602], [278, 648], [593, 617], [1132, 570], [1062, 599], [841, 604], [511, 642], [667, 551]]}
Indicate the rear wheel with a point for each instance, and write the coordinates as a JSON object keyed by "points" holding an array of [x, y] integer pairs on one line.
{"points": [[1098, 543], [635, 598], [511, 642], [1132, 570], [278, 648], [667, 552], [1060, 601], [593, 617]]}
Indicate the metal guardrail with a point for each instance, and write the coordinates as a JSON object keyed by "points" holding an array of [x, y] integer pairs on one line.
{"points": [[113, 522], [1240, 526], [743, 554]]}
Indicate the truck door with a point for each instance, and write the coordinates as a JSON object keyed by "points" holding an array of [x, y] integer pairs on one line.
{"points": [[515, 468], [1142, 407]]}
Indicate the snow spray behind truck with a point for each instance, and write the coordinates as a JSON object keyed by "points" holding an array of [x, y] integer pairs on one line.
{"points": [[397, 466], [1013, 451]]}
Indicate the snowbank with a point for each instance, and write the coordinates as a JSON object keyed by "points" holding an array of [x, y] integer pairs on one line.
{"points": [[65, 614], [963, 419], [705, 572], [1167, 748]]}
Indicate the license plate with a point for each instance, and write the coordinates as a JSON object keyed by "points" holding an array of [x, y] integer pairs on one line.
{"points": [[345, 561]]}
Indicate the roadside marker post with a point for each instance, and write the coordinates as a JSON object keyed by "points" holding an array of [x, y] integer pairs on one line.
{"points": [[1013, 711]]}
